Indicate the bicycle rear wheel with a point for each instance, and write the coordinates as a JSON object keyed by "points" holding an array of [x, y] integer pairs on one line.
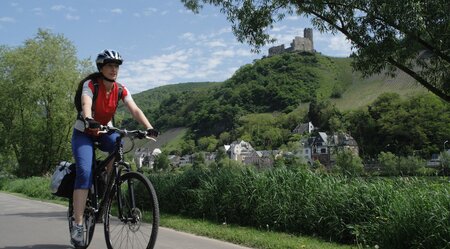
{"points": [[132, 213], [88, 223]]}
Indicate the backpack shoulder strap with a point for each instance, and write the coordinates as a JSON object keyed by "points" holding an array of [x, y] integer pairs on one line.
{"points": [[79, 91], [119, 96], [95, 83]]}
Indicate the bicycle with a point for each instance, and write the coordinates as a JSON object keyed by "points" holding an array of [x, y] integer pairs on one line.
{"points": [[127, 204]]}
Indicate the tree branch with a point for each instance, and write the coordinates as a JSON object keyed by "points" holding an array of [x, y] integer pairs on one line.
{"points": [[379, 17], [400, 66]]}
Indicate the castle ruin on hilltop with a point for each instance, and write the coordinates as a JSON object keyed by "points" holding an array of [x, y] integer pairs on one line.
{"points": [[301, 44]]}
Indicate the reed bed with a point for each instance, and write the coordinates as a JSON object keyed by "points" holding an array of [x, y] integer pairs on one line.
{"points": [[383, 212]]}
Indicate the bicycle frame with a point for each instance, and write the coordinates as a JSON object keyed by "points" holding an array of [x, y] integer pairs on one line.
{"points": [[112, 203], [113, 177]]}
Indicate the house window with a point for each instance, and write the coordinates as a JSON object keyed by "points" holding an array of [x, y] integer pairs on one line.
{"points": [[323, 151], [306, 151]]}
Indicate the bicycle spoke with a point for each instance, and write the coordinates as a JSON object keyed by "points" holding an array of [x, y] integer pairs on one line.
{"points": [[132, 214]]}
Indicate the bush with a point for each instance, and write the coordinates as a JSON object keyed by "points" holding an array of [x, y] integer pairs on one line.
{"points": [[388, 162], [391, 213], [349, 164]]}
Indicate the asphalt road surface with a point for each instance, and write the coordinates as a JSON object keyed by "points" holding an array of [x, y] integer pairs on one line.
{"points": [[34, 224]]}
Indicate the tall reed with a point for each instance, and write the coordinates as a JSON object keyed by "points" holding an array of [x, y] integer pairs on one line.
{"points": [[389, 212]]}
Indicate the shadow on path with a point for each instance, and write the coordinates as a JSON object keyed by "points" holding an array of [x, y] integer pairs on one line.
{"points": [[39, 247], [41, 215]]}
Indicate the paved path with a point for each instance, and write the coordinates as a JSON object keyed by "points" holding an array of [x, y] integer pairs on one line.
{"points": [[34, 224]]}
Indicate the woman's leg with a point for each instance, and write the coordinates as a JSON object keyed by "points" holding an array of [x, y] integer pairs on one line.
{"points": [[79, 204], [107, 144], [82, 148]]}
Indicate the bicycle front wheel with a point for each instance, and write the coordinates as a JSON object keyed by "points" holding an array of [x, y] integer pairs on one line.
{"points": [[132, 213]]}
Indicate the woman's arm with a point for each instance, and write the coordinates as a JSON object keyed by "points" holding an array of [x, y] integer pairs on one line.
{"points": [[86, 106]]}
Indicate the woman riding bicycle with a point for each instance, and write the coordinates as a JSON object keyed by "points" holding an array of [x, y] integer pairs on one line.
{"points": [[99, 100]]}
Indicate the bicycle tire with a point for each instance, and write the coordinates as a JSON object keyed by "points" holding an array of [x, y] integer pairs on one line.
{"points": [[88, 223], [135, 227]]}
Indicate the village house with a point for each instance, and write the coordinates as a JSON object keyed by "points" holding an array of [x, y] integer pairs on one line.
{"points": [[239, 150], [305, 128], [262, 159], [324, 148], [320, 147]]}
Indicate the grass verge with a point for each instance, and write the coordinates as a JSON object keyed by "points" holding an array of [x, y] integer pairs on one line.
{"points": [[249, 237]]}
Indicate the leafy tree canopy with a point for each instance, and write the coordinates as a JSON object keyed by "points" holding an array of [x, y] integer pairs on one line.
{"points": [[411, 35], [38, 80]]}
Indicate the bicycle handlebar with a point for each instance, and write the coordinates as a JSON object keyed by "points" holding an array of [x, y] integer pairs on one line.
{"points": [[126, 133]]}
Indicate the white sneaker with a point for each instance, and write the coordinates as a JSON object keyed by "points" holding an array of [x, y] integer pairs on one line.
{"points": [[77, 235]]}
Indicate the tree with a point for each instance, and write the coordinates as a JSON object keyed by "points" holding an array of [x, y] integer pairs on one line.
{"points": [[348, 164], [38, 81], [410, 35], [389, 163], [162, 162], [208, 144]]}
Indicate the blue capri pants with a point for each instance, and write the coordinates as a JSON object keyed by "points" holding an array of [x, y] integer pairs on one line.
{"points": [[83, 149]]}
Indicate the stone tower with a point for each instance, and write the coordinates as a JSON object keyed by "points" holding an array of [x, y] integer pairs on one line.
{"points": [[308, 34], [299, 44]]}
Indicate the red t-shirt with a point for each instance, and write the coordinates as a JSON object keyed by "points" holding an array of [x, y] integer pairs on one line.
{"points": [[105, 104]]}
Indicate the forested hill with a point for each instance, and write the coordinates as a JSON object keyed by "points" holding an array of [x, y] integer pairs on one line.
{"points": [[151, 99], [280, 83]]}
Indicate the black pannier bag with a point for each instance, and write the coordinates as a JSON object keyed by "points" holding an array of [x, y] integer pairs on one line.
{"points": [[63, 180]]}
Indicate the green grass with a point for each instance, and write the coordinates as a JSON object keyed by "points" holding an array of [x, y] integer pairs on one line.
{"points": [[363, 92], [245, 236], [174, 143], [37, 188]]}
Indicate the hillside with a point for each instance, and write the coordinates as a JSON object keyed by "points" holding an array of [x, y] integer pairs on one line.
{"points": [[331, 74], [156, 95], [281, 83], [152, 98], [364, 91]]}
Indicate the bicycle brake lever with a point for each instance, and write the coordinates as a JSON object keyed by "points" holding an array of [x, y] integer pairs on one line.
{"points": [[151, 138], [103, 129]]}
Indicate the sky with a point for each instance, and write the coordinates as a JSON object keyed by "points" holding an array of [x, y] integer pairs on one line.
{"points": [[160, 41]]}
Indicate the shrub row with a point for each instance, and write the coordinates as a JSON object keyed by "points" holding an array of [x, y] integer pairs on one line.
{"points": [[388, 212]]}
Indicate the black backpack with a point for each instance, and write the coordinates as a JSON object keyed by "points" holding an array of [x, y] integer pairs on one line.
{"points": [[93, 77]]}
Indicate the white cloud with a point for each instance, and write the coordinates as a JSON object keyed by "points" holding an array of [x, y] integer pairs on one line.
{"points": [[335, 45], [243, 52], [7, 19], [293, 18], [183, 65], [57, 7], [224, 53], [117, 11], [38, 11], [188, 36], [61, 8], [339, 43], [150, 11], [157, 70], [71, 17], [278, 28], [216, 43]]}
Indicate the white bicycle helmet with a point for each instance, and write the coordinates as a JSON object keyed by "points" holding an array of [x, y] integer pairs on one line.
{"points": [[108, 56]]}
